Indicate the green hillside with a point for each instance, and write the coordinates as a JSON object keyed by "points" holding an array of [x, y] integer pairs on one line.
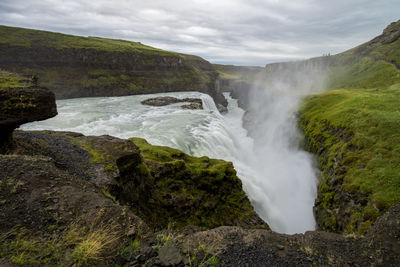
{"points": [[31, 38], [355, 130], [75, 66]]}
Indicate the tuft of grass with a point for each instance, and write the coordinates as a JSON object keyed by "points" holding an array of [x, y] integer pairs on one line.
{"points": [[90, 245], [23, 248], [94, 245], [132, 248], [97, 243], [203, 255], [213, 261]]}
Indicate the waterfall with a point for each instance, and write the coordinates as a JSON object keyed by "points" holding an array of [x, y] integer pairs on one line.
{"points": [[199, 133]]}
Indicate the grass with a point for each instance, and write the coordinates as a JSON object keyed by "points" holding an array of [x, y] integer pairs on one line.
{"points": [[95, 245], [352, 71], [34, 38], [12, 80], [203, 255], [24, 248], [371, 158], [354, 128], [238, 73], [76, 66], [90, 245]]}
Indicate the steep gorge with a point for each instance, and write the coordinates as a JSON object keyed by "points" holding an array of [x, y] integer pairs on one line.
{"points": [[353, 128]]}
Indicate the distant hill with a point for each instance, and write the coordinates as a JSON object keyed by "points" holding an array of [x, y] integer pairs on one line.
{"points": [[374, 63], [75, 66]]}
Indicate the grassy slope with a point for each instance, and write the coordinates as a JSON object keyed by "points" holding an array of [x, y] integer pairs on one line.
{"points": [[29, 38], [355, 129], [238, 73], [75, 66]]}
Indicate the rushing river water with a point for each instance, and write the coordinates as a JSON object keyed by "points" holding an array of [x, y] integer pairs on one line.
{"points": [[285, 203]]}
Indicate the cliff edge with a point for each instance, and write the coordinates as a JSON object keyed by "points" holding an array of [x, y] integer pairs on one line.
{"points": [[74, 66]]}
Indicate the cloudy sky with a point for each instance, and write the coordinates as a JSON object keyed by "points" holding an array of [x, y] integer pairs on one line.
{"points": [[241, 32]]}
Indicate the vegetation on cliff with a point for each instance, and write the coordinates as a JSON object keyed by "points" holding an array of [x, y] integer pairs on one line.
{"points": [[74, 66], [21, 101], [194, 191], [354, 128], [11, 80]]}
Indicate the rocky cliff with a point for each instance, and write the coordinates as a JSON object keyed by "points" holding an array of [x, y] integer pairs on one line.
{"points": [[352, 128], [21, 101], [73, 199], [70, 199], [74, 66]]}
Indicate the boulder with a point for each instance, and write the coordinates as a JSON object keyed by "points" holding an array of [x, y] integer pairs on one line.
{"points": [[21, 102], [195, 103]]}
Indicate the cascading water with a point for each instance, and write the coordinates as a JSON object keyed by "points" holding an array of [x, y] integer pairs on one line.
{"points": [[204, 132]]}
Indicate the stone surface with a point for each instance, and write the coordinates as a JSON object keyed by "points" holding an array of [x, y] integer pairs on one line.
{"points": [[195, 103], [22, 105], [169, 256]]}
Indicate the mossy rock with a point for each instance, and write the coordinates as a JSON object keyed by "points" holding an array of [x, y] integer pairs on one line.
{"points": [[164, 186], [167, 187], [21, 101]]}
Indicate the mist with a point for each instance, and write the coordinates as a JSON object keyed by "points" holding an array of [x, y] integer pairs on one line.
{"points": [[279, 178], [285, 175]]}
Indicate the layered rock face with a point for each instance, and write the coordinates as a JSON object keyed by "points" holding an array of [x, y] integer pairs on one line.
{"points": [[22, 102], [75, 66]]}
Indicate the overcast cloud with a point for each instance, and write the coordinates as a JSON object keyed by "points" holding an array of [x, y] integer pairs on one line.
{"points": [[242, 32]]}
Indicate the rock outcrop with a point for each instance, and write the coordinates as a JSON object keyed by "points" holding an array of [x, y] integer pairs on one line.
{"points": [[389, 35], [70, 186], [238, 247], [195, 103], [21, 102]]}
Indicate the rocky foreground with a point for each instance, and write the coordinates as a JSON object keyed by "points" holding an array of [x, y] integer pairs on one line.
{"points": [[70, 199]]}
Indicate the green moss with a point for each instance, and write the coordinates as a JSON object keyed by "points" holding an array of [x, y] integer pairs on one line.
{"points": [[190, 190], [23, 249], [360, 132], [12, 80], [110, 168]]}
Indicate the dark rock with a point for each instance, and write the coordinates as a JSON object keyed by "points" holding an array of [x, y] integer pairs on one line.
{"points": [[192, 106], [148, 252], [195, 103], [170, 256], [221, 108], [234, 246], [22, 105]]}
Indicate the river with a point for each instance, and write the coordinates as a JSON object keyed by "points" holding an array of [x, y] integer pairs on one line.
{"points": [[280, 194]]}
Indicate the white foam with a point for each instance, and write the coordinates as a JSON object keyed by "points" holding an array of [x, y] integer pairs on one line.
{"points": [[202, 132]]}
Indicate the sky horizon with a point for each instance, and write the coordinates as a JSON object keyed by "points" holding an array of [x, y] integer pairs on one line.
{"points": [[238, 32]]}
